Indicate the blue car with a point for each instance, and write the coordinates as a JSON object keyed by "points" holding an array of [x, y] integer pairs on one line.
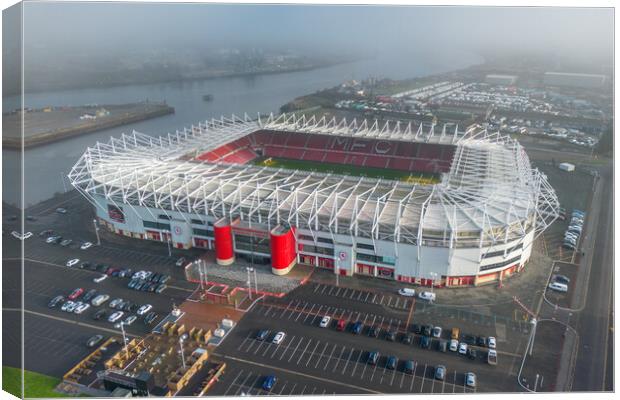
{"points": [[357, 328], [269, 382], [262, 334]]}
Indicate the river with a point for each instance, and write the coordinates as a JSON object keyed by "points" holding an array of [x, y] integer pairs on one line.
{"points": [[46, 165]]}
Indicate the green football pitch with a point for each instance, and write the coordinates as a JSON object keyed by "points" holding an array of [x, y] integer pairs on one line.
{"points": [[351, 170]]}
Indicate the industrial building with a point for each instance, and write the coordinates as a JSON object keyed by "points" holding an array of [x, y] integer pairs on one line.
{"points": [[199, 187], [506, 80], [569, 79]]}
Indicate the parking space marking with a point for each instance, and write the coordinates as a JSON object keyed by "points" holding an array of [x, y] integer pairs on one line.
{"points": [[423, 378], [288, 347], [316, 287], [259, 346], [357, 362], [281, 346], [329, 358], [348, 359], [283, 386], [372, 376], [267, 348], [242, 385], [321, 355], [318, 312], [312, 353], [294, 351], [267, 310], [454, 384], [309, 313], [339, 358], [233, 382], [352, 293]]}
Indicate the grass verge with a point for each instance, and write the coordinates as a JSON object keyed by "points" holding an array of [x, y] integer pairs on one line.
{"points": [[36, 385]]}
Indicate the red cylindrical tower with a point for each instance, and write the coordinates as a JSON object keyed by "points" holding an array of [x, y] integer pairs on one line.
{"points": [[283, 254], [224, 250]]}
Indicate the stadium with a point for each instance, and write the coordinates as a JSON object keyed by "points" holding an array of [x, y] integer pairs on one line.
{"points": [[423, 204]]}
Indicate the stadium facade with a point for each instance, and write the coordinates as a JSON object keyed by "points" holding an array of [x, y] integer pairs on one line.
{"points": [[199, 187]]}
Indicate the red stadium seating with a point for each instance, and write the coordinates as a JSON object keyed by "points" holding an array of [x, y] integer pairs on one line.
{"points": [[404, 156]]}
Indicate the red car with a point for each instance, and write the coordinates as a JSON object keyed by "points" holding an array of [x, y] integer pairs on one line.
{"points": [[75, 294], [342, 324]]}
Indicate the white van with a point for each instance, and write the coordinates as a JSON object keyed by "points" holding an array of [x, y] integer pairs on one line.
{"points": [[430, 296], [558, 287], [406, 292]]}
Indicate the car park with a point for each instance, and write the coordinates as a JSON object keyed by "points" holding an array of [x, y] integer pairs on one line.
{"points": [[440, 372], [492, 357], [373, 357], [86, 265], [115, 303], [470, 379], [558, 287], [462, 348], [406, 292], [269, 382], [46, 232], [144, 309], [68, 306], [86, 245], [409, 367], [391, 362], [94, 340], [417, 329], [454, 345], [278, 338], [481, 341], [55, 301], [436, 332], [75, 293], [130, 320], [115, 316], [325, 321]]}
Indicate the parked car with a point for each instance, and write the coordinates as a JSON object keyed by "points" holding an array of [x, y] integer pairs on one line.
{"points": [[406, 292], [144, 309], [61, 210], [51, 239], [100, 278], [100, 315], [357, 328], [81, 308], [440, 372], [407, 339], [462, 348], [492, 357], [427, 330], [72, 262], [75, 294], [68, 306], [150, 317], [115, 316], [86, 245], [491, 342], [469, 339], [425, 342], [409, 367], [342, 324], [472, 353], [130, 320], [454, 345], [436, 332], [561, 279], [373, 331], [470, 379], [278, 338], [455, 333], [99, 300], [558, 287], [417, 329], [442, 346], [89, 295], [269, 382], [391, 362], [180, 262], [481, 341], [160, 288], [390, 336], [325, 321], [94, 340], [115, 303], [373, 357], [429, 296], [55, 301], [66, 242]]}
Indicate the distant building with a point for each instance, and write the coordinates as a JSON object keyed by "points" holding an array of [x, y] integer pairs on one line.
{"points": [[571, 79], [495, 79]]}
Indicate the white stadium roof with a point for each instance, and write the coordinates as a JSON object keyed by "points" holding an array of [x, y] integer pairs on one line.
{"points": [[490, 195]]}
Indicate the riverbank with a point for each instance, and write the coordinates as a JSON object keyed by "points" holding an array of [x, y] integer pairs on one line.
{"points": [[51, 124]]}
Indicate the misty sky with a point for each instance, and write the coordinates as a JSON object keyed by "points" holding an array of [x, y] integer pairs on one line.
{"points": [[125, 27]]}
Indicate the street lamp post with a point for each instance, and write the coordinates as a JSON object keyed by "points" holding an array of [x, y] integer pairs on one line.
{"points": [[434, 276], [249, 282], [181, 339], [124, 340], [337, 271], [97, 232], [168, 241], [204, 265], [533, 335], [255, 281]]}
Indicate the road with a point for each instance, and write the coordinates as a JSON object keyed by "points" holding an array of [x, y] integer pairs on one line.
{"points": [[594, 368]]}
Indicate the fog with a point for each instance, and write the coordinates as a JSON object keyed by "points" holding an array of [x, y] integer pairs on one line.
{"points": [[70, 35]]}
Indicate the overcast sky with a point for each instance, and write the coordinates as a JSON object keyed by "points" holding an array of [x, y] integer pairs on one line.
{"points": [[125, 27]]}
